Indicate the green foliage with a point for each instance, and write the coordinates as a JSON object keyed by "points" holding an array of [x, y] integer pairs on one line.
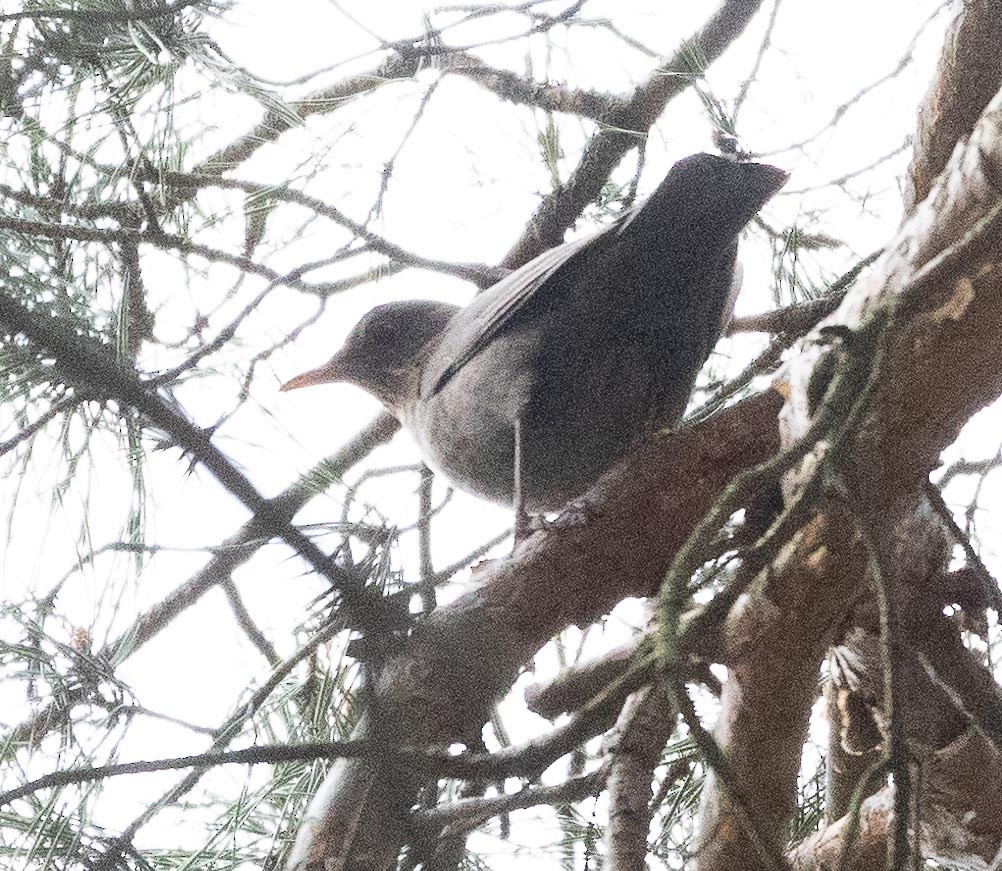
{"points": [[132, 46]]}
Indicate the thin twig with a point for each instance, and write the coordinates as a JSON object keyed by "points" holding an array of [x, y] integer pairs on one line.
{"points": [[67, 403], [467, 814], [893, 653], [426, 569], [989, 583], [751, 77], [246, 622], [174, 242], [479, 274]]}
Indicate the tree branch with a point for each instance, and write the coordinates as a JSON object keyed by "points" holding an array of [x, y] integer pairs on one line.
{"points": [[439, 688], [968, 76], [634, 750], [626, 128], [229, 556], [942, 284]]}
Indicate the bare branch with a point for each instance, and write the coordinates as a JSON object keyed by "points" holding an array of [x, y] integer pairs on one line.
{"points": [[634, 751], [479, 274], [60, 406], [246, 622], [798, 318], [937, 293], [907, 57], [901, 852], [753, 74], [173, 242], [82, 361], [960, 823], [576, 685], [438, 761], [467, 814], [466, 653], [400, 65], [550, 98]]}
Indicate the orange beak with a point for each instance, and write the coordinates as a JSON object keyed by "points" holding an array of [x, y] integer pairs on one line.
{"points": [[332, 370]]}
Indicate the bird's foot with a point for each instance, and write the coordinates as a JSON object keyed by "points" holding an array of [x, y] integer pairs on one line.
{"points": [[573, 514], [525, 525], [576, 513]]}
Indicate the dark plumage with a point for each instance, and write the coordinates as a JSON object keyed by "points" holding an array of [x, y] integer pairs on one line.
{"points": [[589, 346]]}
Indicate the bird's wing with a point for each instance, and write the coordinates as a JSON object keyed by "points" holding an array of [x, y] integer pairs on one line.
{"points": [[495, 308]]}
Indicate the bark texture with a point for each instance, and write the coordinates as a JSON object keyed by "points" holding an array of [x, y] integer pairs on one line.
{"points": [[969, 74], [939, 289]]}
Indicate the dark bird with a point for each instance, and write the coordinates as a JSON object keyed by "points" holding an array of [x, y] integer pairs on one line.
{"points": [[547, 378]]}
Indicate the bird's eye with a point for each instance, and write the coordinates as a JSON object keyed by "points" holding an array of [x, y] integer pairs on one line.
{"points": [[358, 334], [375, 331]]}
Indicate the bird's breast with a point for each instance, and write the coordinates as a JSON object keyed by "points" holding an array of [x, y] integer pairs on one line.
{"points": [[588, 376]]}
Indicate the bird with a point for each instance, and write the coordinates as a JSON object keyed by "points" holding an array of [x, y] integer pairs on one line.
{"points": [[547, 378]]}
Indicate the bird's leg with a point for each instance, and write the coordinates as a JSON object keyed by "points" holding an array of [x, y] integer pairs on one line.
{"points": [[522, 520]]}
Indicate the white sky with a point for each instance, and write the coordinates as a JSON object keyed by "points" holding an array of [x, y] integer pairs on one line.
{"points": [[462, 190]]}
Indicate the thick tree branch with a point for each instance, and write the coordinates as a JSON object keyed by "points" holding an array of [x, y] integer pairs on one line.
{"points": [[960, 817], [942, 284], [576, 684], [439, 688], [969, 74], [634, 747]]}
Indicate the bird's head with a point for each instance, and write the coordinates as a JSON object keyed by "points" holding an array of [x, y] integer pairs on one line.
{"points": [[385, 351]]}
